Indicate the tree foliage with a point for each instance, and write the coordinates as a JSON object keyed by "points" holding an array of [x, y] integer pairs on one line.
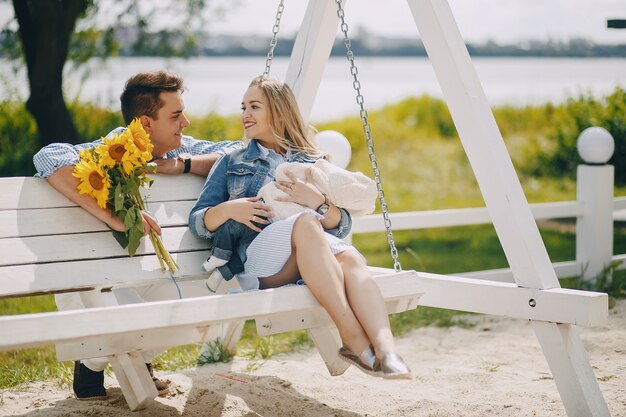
{"points": [[560, 157], [45, 34]]}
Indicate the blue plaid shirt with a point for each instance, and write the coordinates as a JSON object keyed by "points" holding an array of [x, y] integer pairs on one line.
{"points": [[56, 155]]}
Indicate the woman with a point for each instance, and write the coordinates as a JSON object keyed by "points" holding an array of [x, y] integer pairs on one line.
{"points": [[305, 246]]}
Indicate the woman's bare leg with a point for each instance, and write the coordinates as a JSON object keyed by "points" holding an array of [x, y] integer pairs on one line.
{"points": [[366, 301], [323, 276]]}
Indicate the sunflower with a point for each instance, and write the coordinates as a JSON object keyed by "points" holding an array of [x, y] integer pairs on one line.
{"points": [[120, 149], [93, 181], [86, 154], [141, 139]]}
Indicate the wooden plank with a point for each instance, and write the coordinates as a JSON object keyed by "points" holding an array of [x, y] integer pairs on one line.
{"points": [[619, 203], [65, 220], [228, 332], [313, 318], [428, 219], [563, 270], [31, 193], [34, 279], [149, 340], [99, 245], [45, 328]]}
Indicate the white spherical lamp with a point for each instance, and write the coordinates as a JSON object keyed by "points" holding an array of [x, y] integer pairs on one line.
{"points": [[595, 145], [335, 144]]}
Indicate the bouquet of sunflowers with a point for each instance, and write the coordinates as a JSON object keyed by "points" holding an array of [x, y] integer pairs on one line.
{"points": [[113, 173]]}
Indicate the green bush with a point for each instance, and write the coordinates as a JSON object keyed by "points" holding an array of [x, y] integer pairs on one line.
{"points": [[18, 139], [559, 156], [93, 122]]}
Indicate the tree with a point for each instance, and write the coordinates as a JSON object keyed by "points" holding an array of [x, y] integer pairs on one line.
{"points": [[45, 28], [47, 31]]}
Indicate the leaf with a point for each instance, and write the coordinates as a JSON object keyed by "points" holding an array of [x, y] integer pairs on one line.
{"points": [[133, 222], [134, 237], [151, 167], [131, 186], [130, 219], [118, 198], [121, 238]]}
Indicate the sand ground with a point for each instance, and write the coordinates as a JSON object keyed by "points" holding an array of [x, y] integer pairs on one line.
{"points": [[495, 368]]}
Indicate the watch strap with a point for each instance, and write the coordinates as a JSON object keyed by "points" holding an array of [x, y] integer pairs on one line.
{"points": [[324, 207], [187, 162]]}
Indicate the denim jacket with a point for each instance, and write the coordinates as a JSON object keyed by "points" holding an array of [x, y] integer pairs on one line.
{"points": [[240, 174]]}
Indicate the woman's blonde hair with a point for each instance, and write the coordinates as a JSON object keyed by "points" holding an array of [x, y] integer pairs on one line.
{"points": [[285, 120]]}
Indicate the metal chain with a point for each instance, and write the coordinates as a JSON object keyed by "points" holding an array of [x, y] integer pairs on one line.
{"points": [[356, 84], [274, 41]]}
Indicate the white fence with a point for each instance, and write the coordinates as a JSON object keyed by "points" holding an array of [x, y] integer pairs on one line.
{"points": [[593, 211]]}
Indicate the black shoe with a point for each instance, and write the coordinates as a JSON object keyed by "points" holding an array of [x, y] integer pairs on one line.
{"points": [[88, 385], [163, 387]]}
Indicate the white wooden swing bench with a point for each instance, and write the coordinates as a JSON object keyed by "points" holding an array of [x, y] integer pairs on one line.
{"points": [[49, 245]]}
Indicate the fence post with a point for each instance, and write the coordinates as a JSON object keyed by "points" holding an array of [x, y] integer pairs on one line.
{"points": [[594, 189]]}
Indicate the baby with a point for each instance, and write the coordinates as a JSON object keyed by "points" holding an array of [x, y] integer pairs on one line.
{"points": [[352, 191]]}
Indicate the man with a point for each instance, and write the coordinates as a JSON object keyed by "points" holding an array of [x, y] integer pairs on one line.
{"points": [[156, 99]]}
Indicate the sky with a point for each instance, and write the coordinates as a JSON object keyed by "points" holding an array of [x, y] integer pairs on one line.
{"points": [[479, 20]]}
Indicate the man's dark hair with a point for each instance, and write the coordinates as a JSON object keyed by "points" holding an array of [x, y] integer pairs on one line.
{"points": [[141, 93]]}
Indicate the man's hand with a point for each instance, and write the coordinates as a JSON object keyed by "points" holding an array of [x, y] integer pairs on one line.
{"points": [[149, 222], [200, 165], [169, 166], [63, 181]]}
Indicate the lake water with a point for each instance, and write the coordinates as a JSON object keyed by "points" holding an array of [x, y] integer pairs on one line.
{"points": [[217, 84]]}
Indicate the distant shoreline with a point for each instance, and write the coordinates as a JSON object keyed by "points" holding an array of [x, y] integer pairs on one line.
{"points": [[131, 42]]}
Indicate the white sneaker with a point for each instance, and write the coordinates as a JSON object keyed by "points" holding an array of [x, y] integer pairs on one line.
{"points": [[212, 263], [214, 280]]}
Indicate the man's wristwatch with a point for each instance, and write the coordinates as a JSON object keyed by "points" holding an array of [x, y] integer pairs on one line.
{"points": [[323, 209], [185, 158]]}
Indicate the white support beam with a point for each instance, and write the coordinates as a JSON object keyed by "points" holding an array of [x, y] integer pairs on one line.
{"points": [[505, 200], [311, 51], [484, 146], [328, 342], [571, 370], [560, 305]]}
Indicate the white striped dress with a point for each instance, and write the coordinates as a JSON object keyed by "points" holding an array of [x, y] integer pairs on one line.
{"points": [[269, 251]]}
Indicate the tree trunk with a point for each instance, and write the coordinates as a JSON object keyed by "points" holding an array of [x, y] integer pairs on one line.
{"points": [[45, 28]]}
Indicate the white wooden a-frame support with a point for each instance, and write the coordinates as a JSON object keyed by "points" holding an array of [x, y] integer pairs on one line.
{"points": [[491, 163]]}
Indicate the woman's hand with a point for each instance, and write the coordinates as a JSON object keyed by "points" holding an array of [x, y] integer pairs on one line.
{"points": [[301, 192], [249, 211]]}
